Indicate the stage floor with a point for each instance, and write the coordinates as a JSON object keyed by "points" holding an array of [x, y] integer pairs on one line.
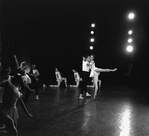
{"points": [[117, 111]]}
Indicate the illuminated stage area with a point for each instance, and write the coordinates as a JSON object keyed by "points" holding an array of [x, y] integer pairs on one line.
{"points": [[68, 38], [117, 111]]}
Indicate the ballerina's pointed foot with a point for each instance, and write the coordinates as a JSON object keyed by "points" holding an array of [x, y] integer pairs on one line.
{"points": [[31, 116], [94, 96]]}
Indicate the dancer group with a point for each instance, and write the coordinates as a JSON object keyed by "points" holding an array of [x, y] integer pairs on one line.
{"points": [[17, 88], [89, 71]]}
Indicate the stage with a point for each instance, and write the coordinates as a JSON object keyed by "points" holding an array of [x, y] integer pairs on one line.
{"points": [[117, 111]]}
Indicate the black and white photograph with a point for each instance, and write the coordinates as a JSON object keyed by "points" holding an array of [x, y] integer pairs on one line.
{"points": [[74, 67]]}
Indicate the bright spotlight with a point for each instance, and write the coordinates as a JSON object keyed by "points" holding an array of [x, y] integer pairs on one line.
{"points": [[92, 40], [130, 32], [129, 48], [91, 47], [93, 25], [131, 16], [92, 32], [130, 40]]}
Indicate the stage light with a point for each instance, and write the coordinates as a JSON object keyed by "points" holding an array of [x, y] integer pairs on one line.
{"points": [[130, 32], [92, 25], [129, 48], [131, 16], [92, 40], [91, 47], [92, 32], [130, 40]]}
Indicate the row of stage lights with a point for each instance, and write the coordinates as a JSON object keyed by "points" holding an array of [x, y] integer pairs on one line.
{"points": [[129, 47], [92, 39]]}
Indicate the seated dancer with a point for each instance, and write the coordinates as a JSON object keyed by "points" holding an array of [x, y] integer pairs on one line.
{"points": [[34, 74], [95, 72], [77, 78], [59, 79]]}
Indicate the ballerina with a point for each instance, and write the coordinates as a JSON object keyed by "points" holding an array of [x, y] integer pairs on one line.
{"points": [[23, 76], [95, 72], [10, 96]]}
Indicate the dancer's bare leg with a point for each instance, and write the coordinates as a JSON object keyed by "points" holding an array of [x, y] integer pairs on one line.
{"points": [[76, 85], [98, 70], [58, 84], [65, 80], [99, 81], [24, 108], [95, 82]]}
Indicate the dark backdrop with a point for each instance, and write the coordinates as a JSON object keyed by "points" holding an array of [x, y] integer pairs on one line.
{"points": [[56, 33]]}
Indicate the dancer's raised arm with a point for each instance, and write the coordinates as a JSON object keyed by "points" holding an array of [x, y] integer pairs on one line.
{"points": [[83, 58], [16, 60], [1, 66]]}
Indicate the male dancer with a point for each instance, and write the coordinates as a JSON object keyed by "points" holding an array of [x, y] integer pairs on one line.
{"points": [[85, 76], [34, 75], [23, 79]]}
